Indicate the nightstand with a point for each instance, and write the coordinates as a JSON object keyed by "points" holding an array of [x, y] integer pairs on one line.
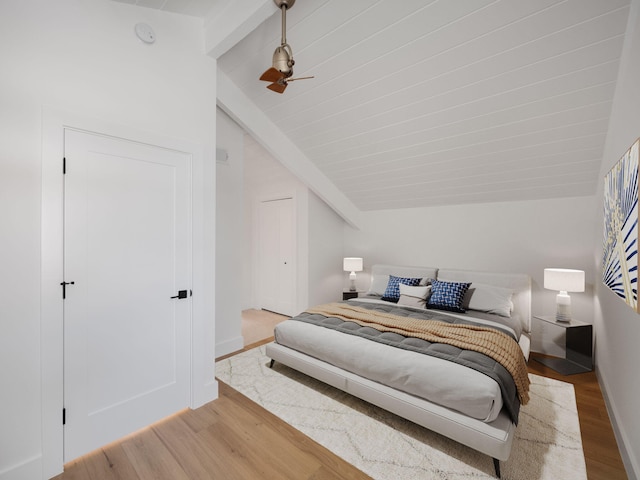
{"points": [[578, 347], [347, 294]]}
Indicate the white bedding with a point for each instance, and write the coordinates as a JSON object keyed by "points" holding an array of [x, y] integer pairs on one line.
{"points": [[445, 383]]}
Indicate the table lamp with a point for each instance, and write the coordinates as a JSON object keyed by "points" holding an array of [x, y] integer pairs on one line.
{"points": [[563, 280], [353, 265]]}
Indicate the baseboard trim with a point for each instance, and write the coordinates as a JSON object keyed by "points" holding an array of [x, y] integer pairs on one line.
{"points": [[630, 463]]}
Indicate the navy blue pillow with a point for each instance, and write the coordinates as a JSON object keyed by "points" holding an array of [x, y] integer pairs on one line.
{"points": [[447, 296], [392, 293]]}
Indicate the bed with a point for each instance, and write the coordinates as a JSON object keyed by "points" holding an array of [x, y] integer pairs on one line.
{"points": [[459, 390]]}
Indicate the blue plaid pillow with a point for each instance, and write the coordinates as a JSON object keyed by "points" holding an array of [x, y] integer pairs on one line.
{"points": [[447, 296], [392, 293]]}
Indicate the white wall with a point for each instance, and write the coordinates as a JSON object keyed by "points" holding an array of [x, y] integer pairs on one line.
{"points": [[515, 237], [229, 231], [326, 250], [617, 326], [81, 57]]}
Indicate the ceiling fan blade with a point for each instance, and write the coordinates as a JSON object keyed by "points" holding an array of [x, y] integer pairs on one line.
{"points": [[271, 75], [277, 87], [299, 78]]}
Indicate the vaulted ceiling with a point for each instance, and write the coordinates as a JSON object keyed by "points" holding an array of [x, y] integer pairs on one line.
{"points": [[426, 102]]}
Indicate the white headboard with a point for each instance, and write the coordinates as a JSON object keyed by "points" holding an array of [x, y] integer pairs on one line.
{"points": [[520, 283], [404, 271]]}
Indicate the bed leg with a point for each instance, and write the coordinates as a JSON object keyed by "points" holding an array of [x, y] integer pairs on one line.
{"points": [[271, 363], [496, 464]]}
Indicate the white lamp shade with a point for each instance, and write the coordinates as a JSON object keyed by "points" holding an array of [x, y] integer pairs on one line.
{"points": [[352, 264], [563, 279]]}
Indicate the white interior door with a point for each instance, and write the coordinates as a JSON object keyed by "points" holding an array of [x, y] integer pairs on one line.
{"points": [[126, 252], [277, 256]]}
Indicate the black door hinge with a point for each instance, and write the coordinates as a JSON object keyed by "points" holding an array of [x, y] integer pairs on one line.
{"points": [[64, 288], [64, 165], [64, 416]]}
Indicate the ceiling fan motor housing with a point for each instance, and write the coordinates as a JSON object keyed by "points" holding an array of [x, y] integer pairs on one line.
{"points": [[283, 60]]}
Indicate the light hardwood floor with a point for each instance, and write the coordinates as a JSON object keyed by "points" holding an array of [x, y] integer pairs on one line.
{"points": [[258, 325], [233, 438]]}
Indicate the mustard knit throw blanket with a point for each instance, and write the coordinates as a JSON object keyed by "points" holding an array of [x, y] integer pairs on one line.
{"points": [[493, 343]]}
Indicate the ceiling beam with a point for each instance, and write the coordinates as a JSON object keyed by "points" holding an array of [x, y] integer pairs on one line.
{"points": [[255, 122], [224, 28]]}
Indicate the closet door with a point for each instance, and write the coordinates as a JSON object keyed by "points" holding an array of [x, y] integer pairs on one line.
{"points": [[277, 256], [126, 256]]}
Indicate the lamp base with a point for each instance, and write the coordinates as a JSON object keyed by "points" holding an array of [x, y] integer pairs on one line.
{"points": [[563, 307], [352, 282]]}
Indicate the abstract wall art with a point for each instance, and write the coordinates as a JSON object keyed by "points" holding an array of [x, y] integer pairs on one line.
{"points": [[620, 245]]}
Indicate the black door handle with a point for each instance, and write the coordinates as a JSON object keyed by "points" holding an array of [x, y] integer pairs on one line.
{"points": [[181, 294]]}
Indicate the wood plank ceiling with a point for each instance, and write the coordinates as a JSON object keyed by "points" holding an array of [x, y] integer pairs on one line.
{"points": [[437, 102]]}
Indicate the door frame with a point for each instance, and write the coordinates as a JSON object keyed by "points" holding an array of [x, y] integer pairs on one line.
{"points": [[203, 386]]}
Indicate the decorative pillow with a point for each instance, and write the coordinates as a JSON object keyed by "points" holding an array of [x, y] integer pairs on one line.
{"points": [[447, 296], [392, 291], [414, 296], [490, 299], [378, 285]]}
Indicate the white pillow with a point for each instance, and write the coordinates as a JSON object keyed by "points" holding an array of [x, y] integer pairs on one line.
{"points": [[489, 298], [414, 296], [378, 285]]}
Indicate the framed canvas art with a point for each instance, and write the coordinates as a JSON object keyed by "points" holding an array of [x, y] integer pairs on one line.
{"points": [[620, 245]]}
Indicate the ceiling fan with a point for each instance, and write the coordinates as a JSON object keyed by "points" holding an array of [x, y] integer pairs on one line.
{"points": [[282, 66]]}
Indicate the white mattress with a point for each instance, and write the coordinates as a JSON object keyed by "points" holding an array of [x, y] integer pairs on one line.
{"points": [[446, 383]]}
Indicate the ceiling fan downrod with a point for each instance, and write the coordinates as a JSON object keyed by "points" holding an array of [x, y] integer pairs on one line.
{"points": [[284, 5]]}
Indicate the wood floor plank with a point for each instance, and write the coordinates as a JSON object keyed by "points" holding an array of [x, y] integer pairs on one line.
{"points": [[188, 449], [262, 439], [258, 325], [150, 457], [210, 452], [110, 463], [330, 461]]}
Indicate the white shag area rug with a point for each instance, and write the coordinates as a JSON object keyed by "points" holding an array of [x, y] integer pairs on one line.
{"points": [[547, 444]]}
